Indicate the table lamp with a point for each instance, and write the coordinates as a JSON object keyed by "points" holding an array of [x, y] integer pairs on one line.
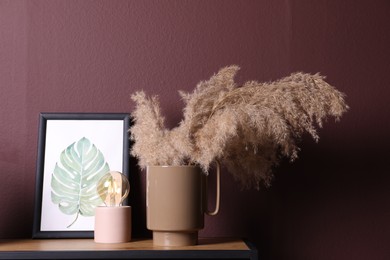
{"points": [[113, 221]]}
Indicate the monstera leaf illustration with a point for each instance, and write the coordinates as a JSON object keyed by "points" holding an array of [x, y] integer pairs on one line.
{"points": [[75, 178]]}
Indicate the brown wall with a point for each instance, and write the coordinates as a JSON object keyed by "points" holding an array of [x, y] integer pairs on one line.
{"points": [[89, 56]]}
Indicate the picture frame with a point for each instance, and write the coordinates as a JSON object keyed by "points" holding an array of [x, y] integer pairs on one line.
{"points": [[74, 151]]}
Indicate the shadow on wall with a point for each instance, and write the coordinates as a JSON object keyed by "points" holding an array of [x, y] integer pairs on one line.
{"points": [[328, 203], [137, 200]]}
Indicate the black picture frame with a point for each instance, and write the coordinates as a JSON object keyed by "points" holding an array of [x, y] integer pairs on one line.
{"points": [[104, 133]]}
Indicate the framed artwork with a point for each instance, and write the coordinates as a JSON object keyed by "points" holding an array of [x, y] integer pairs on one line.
{"points": [[74, 151]]}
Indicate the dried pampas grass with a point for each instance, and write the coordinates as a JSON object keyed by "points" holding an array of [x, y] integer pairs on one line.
{"points": [[248, 128]]}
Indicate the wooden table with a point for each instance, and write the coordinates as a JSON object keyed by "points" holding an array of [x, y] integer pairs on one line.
{"points": [[217, 248]]}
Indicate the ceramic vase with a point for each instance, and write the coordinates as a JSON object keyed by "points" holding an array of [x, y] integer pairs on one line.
{"points": [[176, 202]]}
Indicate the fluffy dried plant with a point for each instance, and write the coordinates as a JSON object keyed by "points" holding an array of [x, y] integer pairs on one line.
{"points": [[247, 128]]}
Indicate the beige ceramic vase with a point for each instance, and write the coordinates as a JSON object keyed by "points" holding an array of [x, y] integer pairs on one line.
{"points": [[176, 202]]}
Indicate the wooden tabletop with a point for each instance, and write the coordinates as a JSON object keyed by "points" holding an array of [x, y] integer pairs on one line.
{"points": [[137, 244], [208, 248]]}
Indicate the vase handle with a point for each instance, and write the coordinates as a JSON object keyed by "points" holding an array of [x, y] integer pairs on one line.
{"points": [[218, 189]]}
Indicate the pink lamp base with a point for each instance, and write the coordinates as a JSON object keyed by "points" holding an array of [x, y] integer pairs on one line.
{"points": [[112, 224]]}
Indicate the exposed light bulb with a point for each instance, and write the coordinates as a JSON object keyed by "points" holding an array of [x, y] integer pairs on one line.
{"points": [[113, 188]]}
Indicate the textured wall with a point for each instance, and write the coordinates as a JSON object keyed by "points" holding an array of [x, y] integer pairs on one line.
{"points": [[89, 56]]}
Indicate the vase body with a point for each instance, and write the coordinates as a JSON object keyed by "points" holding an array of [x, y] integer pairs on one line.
{"points": [[175, 204]]}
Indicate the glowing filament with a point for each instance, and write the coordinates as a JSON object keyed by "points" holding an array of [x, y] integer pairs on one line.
{"points": [[113, 189]]}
